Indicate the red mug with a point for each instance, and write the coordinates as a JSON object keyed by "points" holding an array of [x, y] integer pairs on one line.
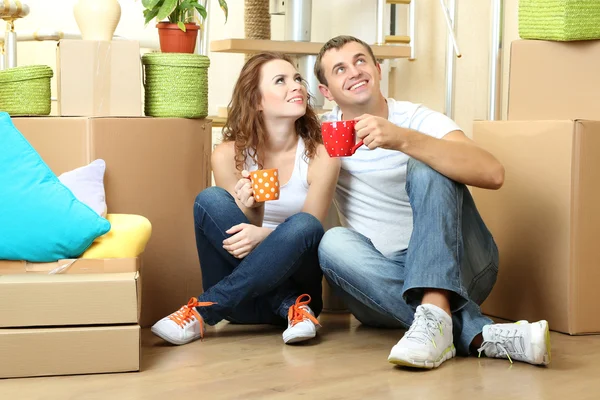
{"points": [[339, 138]]}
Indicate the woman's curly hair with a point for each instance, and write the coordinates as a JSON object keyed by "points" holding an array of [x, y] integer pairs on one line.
{"points": [[245, 124]]}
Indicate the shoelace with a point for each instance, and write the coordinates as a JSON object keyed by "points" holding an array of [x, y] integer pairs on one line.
{"points": [[297, 313], [424, 325], [187, 313], [504, 342]]}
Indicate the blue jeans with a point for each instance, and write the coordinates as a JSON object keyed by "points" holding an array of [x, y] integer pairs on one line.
{"points": [[450, 249], [260, 288]]}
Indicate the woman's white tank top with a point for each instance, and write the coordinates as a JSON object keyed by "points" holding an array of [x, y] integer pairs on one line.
{"points": [[292, 194]]}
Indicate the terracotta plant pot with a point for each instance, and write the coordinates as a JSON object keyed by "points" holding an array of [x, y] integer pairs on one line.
{"points": [[174, 40]]}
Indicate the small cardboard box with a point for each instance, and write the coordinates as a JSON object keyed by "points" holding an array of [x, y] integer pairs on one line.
{"points": [[546, 221], [554, 80], [70, 299], [99, 79]]}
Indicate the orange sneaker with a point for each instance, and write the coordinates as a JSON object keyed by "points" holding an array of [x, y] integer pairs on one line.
{"points": [[302, 324], [184, 325]]}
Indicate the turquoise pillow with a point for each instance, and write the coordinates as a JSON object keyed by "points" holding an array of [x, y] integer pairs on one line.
{"points": [[40, 219]]}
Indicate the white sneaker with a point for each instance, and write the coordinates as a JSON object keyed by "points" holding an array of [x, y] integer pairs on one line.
{"points": [[184, 325], [428, 342], [302, 324], [521, 341]]}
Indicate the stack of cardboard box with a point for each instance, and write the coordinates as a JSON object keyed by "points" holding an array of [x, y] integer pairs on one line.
{"points": [[545, 219], [83, 320], [87, 319]]}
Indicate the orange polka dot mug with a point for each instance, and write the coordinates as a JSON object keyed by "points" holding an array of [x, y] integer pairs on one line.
{"points": [[265, 184]]}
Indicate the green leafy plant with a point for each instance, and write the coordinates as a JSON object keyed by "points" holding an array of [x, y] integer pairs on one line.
{"points": [[178, 12]]}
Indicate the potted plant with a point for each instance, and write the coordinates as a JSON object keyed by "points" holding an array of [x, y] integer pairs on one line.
{"points": [[177, 22]]}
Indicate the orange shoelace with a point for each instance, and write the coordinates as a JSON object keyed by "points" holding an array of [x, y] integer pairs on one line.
{"points": [[187, 312], [298, 314]]}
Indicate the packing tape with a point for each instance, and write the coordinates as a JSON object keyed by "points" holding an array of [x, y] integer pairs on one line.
{"points": [[62, 268], [102, 78]]}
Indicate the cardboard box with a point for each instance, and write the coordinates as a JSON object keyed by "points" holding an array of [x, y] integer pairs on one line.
{"points": [[546, 221], [69, 299], [554, 80], [65, 351], [99, 78], [155, 168]]}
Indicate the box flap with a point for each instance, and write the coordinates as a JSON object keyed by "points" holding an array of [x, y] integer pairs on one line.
{"points": [[72, 266], [68, 299], [8, 267], [585, 273]]}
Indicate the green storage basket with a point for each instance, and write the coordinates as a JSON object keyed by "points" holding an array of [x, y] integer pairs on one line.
{"points": [[176, 85], [25, 90], [559, 20]]}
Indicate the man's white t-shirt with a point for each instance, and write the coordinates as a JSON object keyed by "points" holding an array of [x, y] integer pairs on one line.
{"points": [[371, 195]]}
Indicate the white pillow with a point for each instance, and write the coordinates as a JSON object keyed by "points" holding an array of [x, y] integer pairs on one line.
{"points": [[87, 184]]}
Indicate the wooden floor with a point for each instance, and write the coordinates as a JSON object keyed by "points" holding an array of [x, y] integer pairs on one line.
{"points": [[346, 361]]}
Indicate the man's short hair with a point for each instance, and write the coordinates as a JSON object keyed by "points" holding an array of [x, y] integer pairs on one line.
{"points": [[337, 43]]}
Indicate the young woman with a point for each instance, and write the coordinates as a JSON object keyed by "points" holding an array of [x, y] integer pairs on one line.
{"points": [[259, 259]]}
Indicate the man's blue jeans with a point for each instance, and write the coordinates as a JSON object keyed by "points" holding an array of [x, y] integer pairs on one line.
{"points": [[450, 249], [260, 288]]}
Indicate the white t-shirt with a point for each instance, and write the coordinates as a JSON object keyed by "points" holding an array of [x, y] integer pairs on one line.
{"points": [[371, 193]]}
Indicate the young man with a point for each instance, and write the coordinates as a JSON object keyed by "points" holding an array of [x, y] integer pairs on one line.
{"points": [[412, 237]]}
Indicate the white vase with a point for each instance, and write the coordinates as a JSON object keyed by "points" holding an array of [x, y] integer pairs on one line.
{"points": [[97, 19]]}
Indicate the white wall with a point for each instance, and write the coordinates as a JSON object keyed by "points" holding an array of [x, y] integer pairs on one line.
{"points": [[419, 81]]}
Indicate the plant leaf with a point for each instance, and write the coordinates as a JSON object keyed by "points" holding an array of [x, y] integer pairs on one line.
{"points": [[181, 26], [223, 5], [150, 4], [150, 14], [201, 10], [166, 9]]}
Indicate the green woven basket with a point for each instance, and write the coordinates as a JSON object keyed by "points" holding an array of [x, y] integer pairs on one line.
{"points": [[25, 90], [559, 20], [176, 85]]}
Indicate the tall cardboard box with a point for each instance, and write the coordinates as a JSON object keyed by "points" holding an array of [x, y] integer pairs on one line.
{"points": [[99, 79], [554, 80], [154, 168], [546, 221], [83, 320]]}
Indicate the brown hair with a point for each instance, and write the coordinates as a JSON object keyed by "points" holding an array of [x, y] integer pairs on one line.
{"points": [[245, 124], [337, 43]]}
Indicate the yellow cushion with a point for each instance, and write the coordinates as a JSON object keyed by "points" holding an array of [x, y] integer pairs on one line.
{"points": [[127, 237]]}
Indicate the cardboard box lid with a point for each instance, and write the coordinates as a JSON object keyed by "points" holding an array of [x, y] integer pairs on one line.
{"points": [[72, 266], [96, 78], [67, 351], [69, 299], [545, 220], [554, 80]]}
